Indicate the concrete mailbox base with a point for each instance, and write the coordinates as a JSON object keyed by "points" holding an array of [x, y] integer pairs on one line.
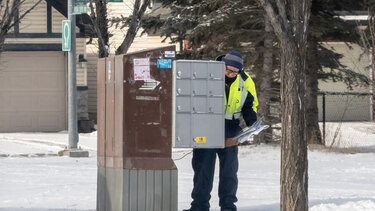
{"points": [[136, 190]]}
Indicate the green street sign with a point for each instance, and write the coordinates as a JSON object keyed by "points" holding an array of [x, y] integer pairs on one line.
{"points": [[115, 1], [66, 43], [79, 9], [80, 6]]}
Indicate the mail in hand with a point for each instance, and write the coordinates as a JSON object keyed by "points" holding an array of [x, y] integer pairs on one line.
{"points": [[249, 132]]}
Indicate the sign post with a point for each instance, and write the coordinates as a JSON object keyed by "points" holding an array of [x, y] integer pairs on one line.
{"points": [[66, 35], [69, 44]]}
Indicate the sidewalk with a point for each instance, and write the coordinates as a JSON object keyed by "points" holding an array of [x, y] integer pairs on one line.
{"points": [[42, 144]]}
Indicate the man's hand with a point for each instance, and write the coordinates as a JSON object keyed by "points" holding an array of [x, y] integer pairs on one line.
{"points": [[229, 142]]}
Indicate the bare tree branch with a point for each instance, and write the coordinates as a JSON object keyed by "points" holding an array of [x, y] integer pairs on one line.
{"points": [[138, 12], [9, 9], [28, 10], [281, 7], [101, 41]]}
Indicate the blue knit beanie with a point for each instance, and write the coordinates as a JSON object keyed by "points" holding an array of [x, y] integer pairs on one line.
{"points": [[234, 59]]}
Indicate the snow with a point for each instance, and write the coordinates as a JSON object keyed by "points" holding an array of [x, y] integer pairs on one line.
{"points": [[32, 177]]}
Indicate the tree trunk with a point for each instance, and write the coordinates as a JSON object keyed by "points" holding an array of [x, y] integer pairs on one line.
{"points": [[294, 185], [373, 81], [264, 77], [138, 12], [313, 134], [102, 23], [290, 24]]}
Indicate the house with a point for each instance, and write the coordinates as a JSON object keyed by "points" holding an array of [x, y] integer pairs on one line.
{"points": [[33, 71]]}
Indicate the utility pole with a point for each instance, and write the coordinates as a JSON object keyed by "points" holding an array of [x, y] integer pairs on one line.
{"points": [[72, 82], [70, 38]]}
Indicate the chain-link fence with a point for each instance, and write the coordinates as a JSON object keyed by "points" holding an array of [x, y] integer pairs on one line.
{"points": [[347, 119]]}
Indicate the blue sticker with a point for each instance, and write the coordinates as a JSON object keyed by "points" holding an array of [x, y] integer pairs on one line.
{"points": [[164, 63]]}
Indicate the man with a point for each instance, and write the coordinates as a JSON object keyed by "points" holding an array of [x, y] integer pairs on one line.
{"points": [[241, 101]]}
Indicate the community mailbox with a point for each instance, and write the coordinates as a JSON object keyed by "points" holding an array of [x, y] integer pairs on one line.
{"points": [[135, 167], [199, 115]]}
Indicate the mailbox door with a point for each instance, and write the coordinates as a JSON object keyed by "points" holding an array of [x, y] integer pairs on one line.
{"points": [[199, 104]]}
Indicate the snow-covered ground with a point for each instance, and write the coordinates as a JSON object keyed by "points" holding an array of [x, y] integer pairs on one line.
{"points": [[32, 177]]}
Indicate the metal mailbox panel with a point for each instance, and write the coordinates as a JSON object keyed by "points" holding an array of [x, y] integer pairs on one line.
{"points": [[183, 104], [199, 70], [119, 98], [213, 91], [101, 75], [209, 126], [199, 87], [184, 71], [184, 88], [199, 104], [213, 72], [215, 105], [183, 124], [110, 107], [147, 110]]}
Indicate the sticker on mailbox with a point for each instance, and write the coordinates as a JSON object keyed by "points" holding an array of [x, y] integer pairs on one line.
{"points": [[141, 69], [164, 63], [200, 139], [170, 54]]}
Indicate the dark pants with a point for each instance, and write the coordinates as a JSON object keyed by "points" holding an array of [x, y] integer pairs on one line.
{"points": [[204, 167]]}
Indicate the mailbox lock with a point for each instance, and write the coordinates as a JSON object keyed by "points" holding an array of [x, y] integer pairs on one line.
{"points": [[179, 73], [178, 108], [178, 91]]}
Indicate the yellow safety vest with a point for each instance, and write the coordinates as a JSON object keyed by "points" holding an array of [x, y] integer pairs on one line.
{"points": [[237, 95]]}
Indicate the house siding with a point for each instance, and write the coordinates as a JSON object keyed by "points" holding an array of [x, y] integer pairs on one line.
{"points": [[36, 20], [349, 107]]}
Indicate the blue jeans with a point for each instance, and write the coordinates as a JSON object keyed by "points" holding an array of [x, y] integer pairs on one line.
{"points": [[204, 167]]}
